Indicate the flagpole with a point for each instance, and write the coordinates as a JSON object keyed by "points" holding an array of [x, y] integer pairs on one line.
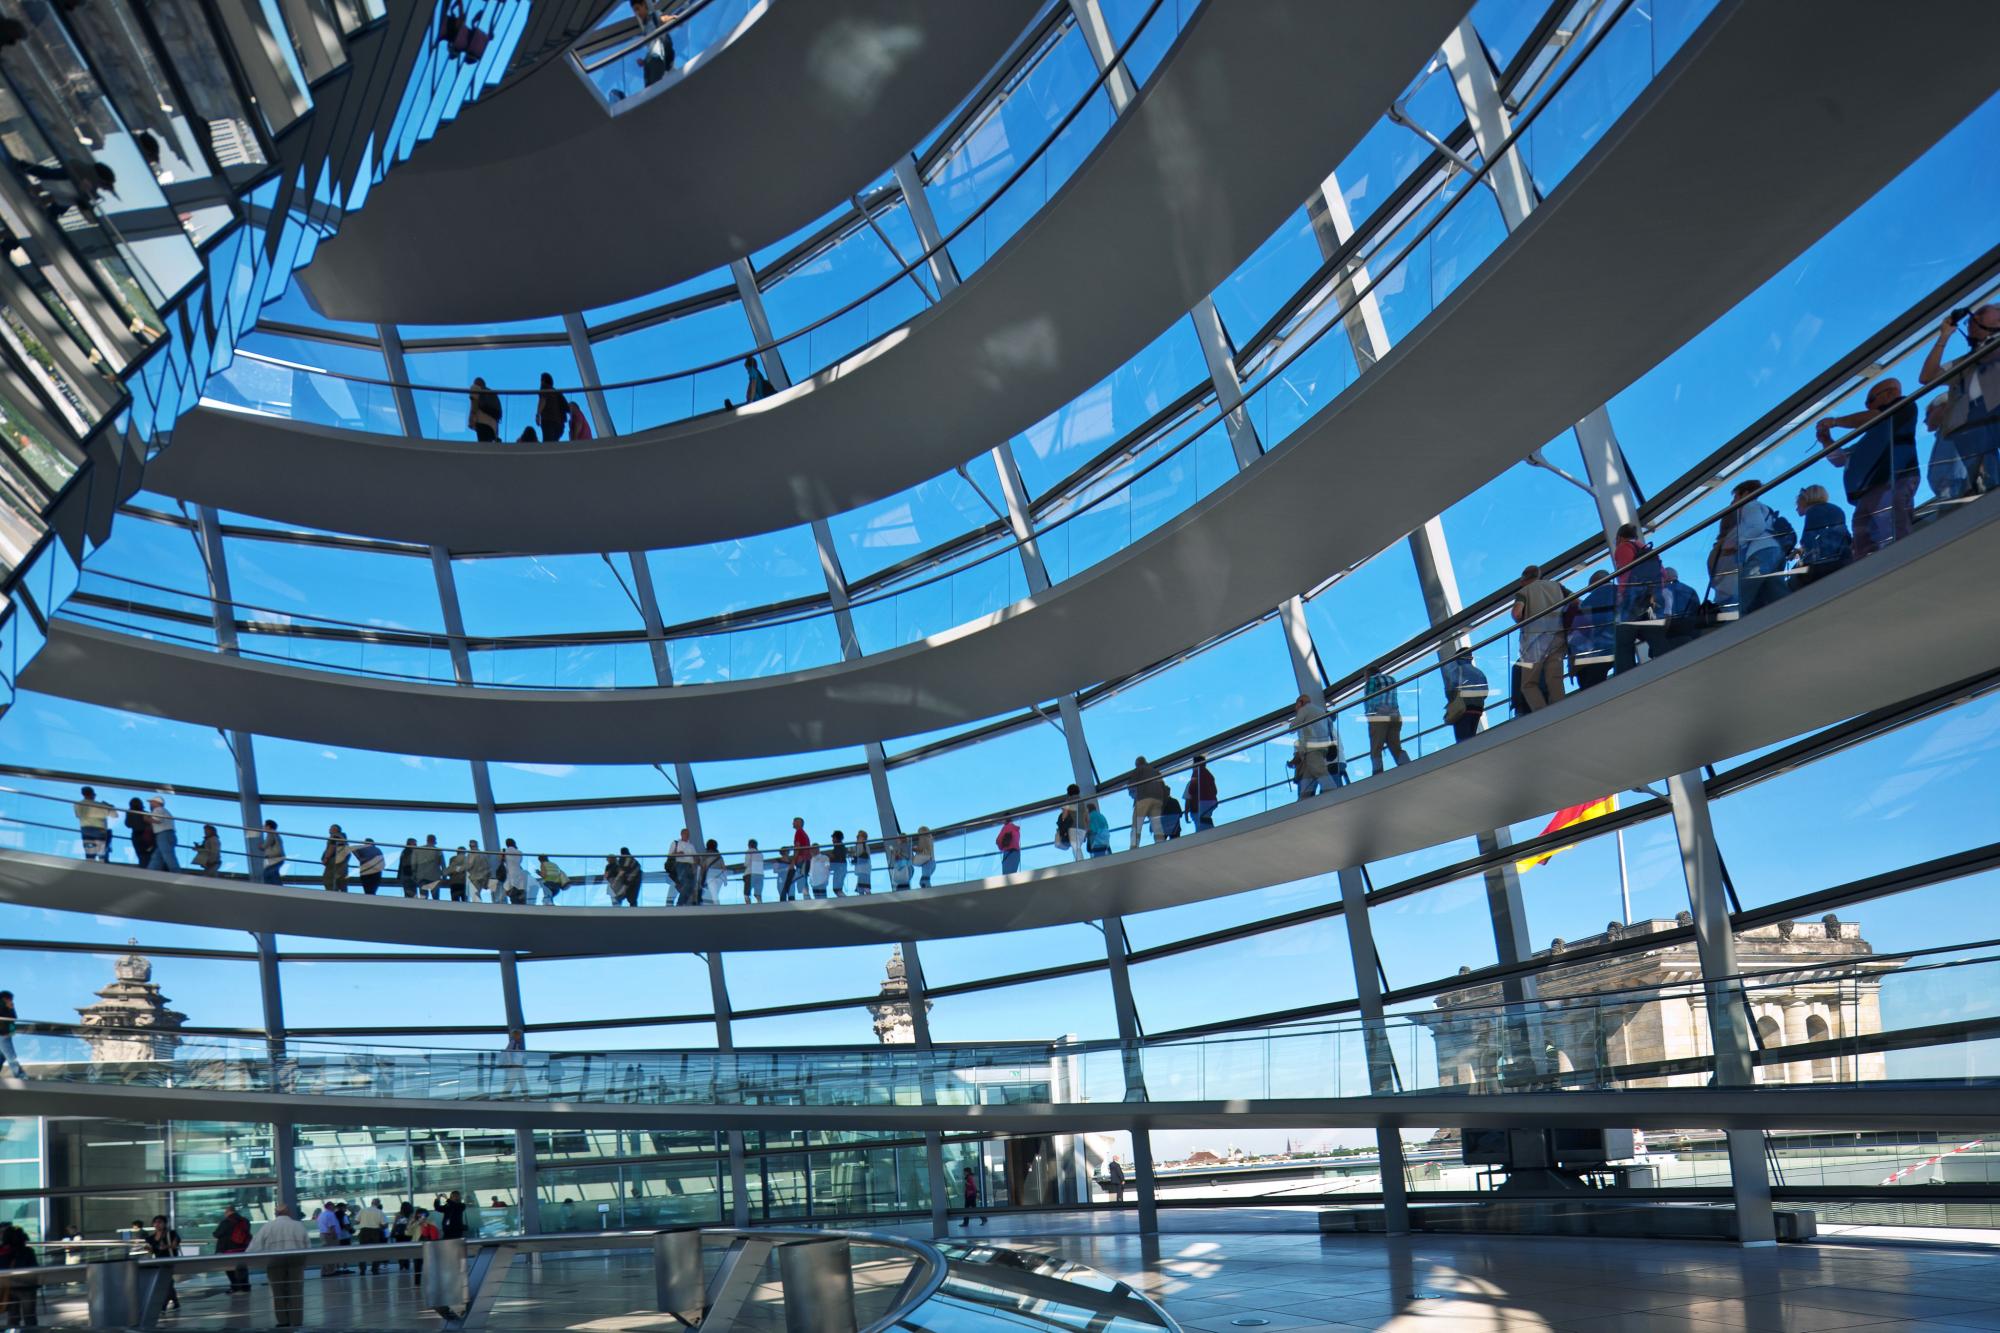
{"points": [[1624, 882]]}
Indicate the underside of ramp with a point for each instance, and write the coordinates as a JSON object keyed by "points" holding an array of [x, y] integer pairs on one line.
{"points": [[1241, 122], [1867, 1107], [546, 199], [1898, 624]]}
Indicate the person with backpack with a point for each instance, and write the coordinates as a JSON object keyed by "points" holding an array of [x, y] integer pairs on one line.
{"points": [[759, 385], [551, 410], [1070, 822], [1764, 541], [482, 416], [368, 865], [1385, 719], [232, 1236], [1097, 835], [554, 879], [1824, 543], [1590, 633], [1678, 622], [1465, 691], [420, 1227], [1539, 611], [1008, 840]]}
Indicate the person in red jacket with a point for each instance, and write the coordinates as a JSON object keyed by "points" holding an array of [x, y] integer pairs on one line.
{"points": [[232, 1236]]}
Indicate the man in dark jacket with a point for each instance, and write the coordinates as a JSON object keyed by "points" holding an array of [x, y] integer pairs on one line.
{"points": [[232, 1236], [1149, 798], [1199, 797]]}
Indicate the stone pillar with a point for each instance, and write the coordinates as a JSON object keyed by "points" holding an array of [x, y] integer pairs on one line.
{"points": [[1793, 1026]]}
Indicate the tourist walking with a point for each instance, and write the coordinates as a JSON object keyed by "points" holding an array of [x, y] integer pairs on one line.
{"points": [[271, 850], [93, 821], [333, 861], [283, 1234]]}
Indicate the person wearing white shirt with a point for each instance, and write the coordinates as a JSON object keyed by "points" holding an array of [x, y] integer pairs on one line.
{"points": [[818, 872], [164, 840], [283, 1234], [681, 858], [753, 874]]}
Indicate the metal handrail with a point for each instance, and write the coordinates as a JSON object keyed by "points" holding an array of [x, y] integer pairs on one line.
{"points": [[1114, 66], [928, 1275]]}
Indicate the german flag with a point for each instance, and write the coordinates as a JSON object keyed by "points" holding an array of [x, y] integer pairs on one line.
{"points": [[1574, 815]]}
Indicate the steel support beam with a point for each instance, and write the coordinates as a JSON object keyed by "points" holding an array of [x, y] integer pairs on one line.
{"points": [[1617, 498], [242, 748], [725, 1040], [760, 323], [447, 586], [1097, 37], [284, 1137], [920, 1036], [1130, 1038], [1478, 88], [910, 181], [1382, 1078], [526, 1176], [1368, 338], [663, 673], [593, 384], [461, 666], [1731, 1040]]}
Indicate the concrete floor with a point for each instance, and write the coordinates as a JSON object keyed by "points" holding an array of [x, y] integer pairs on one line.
{"points": [[1215, 1269]]}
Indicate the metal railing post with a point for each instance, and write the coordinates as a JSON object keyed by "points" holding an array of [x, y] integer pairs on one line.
{"points": [[677, 1275], [817, 1277]]}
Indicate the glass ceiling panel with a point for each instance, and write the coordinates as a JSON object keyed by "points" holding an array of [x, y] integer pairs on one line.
{"points": [[917, 519], [1049, 451], [545, 594], [378, 588], [301, 768], [696, 582], [1247, 674]]}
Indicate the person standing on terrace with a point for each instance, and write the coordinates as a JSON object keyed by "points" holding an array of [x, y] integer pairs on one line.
{"points": [[93, 820], [1199, 799], [864, 863], [1149, 797], [165, 840], [1008, 840], [1538, 610], [551, 410], [271, 847], [483, 412], [1972, 424], [759, 385], [1878, 464], [333, 861]]}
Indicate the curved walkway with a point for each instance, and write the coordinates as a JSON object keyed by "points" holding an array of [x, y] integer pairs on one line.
{"points": [[546, 201], [1923, 1106], [1675, 213], [1238, 125], [1902, 622]]}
